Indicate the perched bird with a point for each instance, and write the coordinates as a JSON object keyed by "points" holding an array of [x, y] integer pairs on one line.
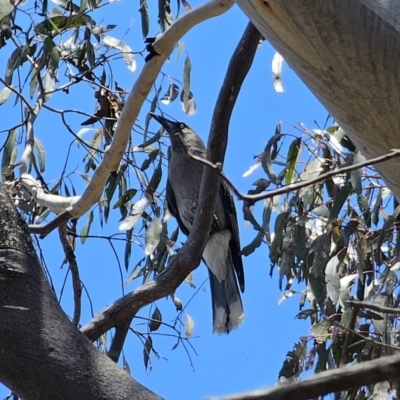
{"points": [[222, 252]]}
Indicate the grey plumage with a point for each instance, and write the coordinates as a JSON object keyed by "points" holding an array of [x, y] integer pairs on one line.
{"points": [[222, 252]]}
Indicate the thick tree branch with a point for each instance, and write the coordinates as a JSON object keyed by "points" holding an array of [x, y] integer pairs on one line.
{"points": [[188, 258], [340, 379], [348, 54], [40, 347], [164, 45]]}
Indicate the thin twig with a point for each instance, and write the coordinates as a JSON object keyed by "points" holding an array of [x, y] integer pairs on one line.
{"points": [[375, 307], [73, 267], [44, 230], [252, 198]]}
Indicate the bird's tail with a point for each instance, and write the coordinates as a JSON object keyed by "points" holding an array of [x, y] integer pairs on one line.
{"points": [[227, 304]]}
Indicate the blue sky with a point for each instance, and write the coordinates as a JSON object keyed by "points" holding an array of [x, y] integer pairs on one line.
{"points": [[250, 357]]}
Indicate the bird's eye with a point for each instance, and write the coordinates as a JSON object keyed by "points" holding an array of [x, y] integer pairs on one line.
{"points": [[181, 126]]}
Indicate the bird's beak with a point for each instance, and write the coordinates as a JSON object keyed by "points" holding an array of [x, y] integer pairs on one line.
{"points": [[165, 123]]}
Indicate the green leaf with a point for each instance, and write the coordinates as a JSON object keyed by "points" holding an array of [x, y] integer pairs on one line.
{"points": [[155, 180], [146, 351], [52, 51], [276, 245], [41, 154], [86, 229], [321, 330], [186, 82], [285, 295], [364, 207], [5, 94], [291, 160], [144, 17], [332, 278], [171, 94], [155, 320], [376, 208], [306, 313], [137, 271], [153, 235], [340, 199], [191, 107], [7, 152], [164, 14], [90, 54], [125, 198], [269, 154]]}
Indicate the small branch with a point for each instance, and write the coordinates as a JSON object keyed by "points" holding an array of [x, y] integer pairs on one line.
{"points": [[348, 335], [73, 267], [44, 230], [118, 342], [188, 258], [253, 198], [375, 307], [366, 373]]}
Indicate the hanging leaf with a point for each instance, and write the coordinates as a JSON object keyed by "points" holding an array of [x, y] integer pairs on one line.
{"points": [[5, 94], [153, 234], [155, 320], [291, 160], [186, 83], [155, 180], [191, 107], [136, 212], [355, 176], [164, 14], [41, 154], [277, 62], [125, 198], [321, 330], [365, 209], [144, 17], [146, 350], [376, 207], [332, 278], [52, 51], [189, 326], [136, 272], [153, 106], [340, 199], [285, 295], [86, 229], [7, 153], [171, 94]]}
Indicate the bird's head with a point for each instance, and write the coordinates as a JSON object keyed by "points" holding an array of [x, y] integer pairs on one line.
{"points": [[181, 134]]}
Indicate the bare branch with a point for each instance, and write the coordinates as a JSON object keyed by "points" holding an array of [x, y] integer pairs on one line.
{"points": [[188, 258], [253, 198], [375, 307], [340, 379], [73, 267]]}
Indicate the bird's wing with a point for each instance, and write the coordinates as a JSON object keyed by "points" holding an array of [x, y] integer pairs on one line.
{"points": [[234, 244], [173, 208]]}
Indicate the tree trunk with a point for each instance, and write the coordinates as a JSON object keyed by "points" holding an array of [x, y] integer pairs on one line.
{"points": [[42, 355], [348, 54]]}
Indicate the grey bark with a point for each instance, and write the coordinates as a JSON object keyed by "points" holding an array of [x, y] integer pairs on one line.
{"points": [[348, 54], [42, 355]]}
